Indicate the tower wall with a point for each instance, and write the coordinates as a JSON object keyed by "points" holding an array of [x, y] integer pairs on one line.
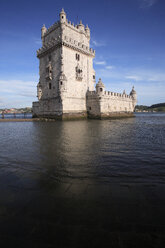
{"points": [[77, 33], [75, 97], [109, 104], [49, 73], [49, 108]]}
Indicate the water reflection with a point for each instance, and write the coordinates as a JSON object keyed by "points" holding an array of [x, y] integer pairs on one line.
{"points": [[82, 183], [97, 150]]}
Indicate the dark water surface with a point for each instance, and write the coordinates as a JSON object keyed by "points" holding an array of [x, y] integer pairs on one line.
{"points": [[83, 183]]}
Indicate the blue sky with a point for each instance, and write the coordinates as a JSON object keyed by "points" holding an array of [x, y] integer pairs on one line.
{"points": [[128, 36]]}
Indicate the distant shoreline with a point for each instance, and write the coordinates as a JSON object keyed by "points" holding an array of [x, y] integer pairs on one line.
{"points": [[49, 120], [19, 120]]}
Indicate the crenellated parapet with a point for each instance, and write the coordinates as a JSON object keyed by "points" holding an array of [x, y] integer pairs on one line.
{"points": [[101, 92], [52, 28], [66, 41], [80, 28], [66, 33], [117, 95], [110, 94]]}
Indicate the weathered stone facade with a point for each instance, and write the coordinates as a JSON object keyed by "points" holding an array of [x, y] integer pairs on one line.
{"points": [[67, 78]]}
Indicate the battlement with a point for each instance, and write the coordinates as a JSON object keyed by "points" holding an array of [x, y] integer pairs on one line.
{"points": [[80, 28], [117, 95], [67, 41], [110, 94], [78, 45], [61, 31], [52, 28]]}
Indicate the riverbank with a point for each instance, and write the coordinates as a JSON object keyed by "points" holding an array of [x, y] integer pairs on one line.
{"points": [[19, 120]]}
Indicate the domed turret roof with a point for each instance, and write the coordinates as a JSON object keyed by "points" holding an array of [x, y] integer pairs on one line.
{"points": [[100, 83], [80, 23], [87, 28], [133, 91], [62, 11]]}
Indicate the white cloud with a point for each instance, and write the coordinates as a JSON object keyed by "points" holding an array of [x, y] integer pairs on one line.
{"points": [[98, 43], [132, 74], [144, 4], [100, 62], [16, 93], [133, 77], [110, 67], [38, 41], [146, 75]]}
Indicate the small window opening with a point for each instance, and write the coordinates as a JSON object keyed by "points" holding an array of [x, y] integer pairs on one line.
{"points": [[62, 17], [93, 76], [61, 83], [49, 58], [77, 56], [90, 108], [101, 89], [50, 86]]}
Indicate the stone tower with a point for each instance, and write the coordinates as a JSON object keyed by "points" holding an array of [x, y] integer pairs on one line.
{"points": [[66, 70], [67, 78]]}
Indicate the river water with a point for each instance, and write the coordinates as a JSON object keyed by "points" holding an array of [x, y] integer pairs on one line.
{"points": [[84, 183]]}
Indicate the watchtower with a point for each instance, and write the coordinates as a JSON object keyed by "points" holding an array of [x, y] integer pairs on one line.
{"points": [[66, 69]]}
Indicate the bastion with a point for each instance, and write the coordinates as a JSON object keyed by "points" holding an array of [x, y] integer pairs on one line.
{"points": [[66, 88]]}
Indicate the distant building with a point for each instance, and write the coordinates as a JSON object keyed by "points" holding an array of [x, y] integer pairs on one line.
{"points": [[67, 78]]}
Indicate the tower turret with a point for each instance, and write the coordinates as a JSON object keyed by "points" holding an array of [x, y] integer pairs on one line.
{"points": [[62, 16], [100, 87], [87, 31], [134, 96], [124, 93], [80, 26], [43, 31]]}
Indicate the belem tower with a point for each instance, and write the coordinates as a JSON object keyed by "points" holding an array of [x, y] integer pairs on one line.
{"points": [[66, 87]]}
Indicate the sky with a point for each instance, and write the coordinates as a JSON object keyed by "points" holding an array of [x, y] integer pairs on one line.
{"points": [[128, 36]]}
